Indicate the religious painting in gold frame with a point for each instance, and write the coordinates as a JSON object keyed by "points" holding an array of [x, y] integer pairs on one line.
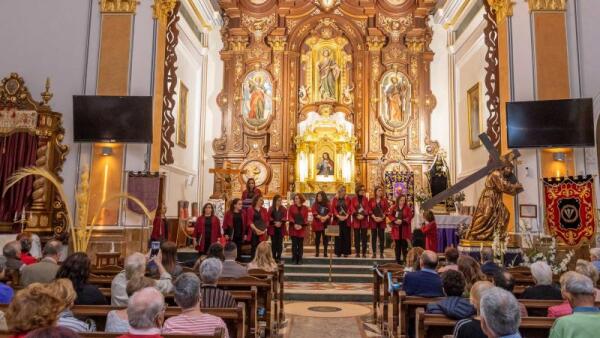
{"points": [[395, 99], [181, 134], [474, 116]]}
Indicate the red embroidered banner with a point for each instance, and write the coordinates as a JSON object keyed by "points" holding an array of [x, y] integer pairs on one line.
{"points": [[570, 209]]}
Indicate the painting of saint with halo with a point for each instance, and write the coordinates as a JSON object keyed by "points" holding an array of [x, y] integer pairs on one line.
{"points": [[325, 166], [257, 98]]}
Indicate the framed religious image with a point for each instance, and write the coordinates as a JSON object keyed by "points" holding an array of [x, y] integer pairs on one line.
{"points": [[474, 117], [181, 134], [257, 98], [528, 210], [395, 99]]}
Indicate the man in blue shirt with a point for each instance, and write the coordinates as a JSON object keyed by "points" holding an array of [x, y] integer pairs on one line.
{"points": [[500, 315], [6, 292], [427, 282]]}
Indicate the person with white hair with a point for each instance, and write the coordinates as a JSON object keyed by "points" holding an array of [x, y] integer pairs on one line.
{"points": [[543, 288], [135, 266], [595, 257], [212, 296], [585, 320], [192, 320], [145, 313], [500, 315]]}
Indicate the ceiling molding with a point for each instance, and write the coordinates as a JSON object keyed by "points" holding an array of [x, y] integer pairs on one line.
{"points": [[452, 12], [204, 14]]}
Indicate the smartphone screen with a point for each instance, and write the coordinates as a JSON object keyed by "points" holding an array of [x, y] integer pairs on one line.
{"points": [[154, 247]]}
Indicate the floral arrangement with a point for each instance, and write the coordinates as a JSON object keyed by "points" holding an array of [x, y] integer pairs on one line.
{"points": [[499, 245], [458, 197], [421, 196], [540, 247]]}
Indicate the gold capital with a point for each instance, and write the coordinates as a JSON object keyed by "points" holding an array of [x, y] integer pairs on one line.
{"points": [[547, 5], [118, 6], [375, 43], [278, 43], [502, 8], [162, 9]]}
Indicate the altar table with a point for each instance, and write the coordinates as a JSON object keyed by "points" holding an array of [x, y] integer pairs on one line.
{"points": [[447, 229]]}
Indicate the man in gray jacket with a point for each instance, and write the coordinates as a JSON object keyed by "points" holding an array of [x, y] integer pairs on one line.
{"points": [[231, 268], [45, 270]]}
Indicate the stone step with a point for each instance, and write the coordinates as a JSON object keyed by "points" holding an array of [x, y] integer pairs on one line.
{"points": [[324, 277], [335, 292], [350, 260], [322, 268]]}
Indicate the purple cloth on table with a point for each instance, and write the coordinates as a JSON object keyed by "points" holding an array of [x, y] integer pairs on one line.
{"points": [[446, 237], [144, 188]]}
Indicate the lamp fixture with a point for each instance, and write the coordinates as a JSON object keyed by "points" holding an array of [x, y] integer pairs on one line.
{"points": [[559, 157], [107, 151]]}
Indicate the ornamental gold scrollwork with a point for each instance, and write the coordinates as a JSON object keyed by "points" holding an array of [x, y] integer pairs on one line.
{"points": [[502, 8], [162, 9], [118, 6], [259, 26], [547, 5], [394, 27]]}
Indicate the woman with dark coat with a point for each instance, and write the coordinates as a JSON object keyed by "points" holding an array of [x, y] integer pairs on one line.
{"points": [[76, 268], [340, 208], [378, 206], [297, 220], [257, 218], [277, 229], [321, 218], [400, 216], [235, 227], [207, 229]]}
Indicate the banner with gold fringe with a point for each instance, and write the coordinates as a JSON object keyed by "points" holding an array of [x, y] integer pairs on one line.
{"points": [[570, 209]]}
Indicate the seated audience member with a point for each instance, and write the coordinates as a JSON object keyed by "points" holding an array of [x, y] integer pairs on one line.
{"points": [[488, 266], [451, 254], [471, 327], [263, 258], [211, 295], [24, 239], [63, 288], [454, 306], [471, 270], [53, 332], [33, 307], [506, 281], [215, 250], [595, 257], [231, 268], [146, 313], [426, 282], [543, 288], [587, 269], [169, 261], [500, 316], [77, 269], [6, 292], [116, 320], [12, 252], [585, 320], [565, 308], [412, 259], [45, 270], [135, 266], [191, 320]]}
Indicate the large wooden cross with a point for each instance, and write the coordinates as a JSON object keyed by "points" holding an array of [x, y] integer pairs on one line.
{"points": [[494, 163]]}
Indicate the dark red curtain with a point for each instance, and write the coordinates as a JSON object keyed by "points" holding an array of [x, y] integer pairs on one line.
{"points": [[16, 151]]}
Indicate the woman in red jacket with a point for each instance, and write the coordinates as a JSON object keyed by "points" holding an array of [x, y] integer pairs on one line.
{"points": [[430, 231], [250, 192], [298, 220], [340, 209], [257, 217], [322, 218], [360, 220], [400, 216], [207, 229], [378, 206], [277, 230], [235, 227]]}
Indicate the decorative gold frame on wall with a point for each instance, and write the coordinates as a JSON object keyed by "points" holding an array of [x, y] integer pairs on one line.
{"points": [[474, 142], [182, 115]]}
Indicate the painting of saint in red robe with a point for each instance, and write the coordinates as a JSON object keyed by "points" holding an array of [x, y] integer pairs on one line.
{"points": [[257, 95]]}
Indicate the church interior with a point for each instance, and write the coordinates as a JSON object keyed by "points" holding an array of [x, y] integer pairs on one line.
{"points": [[333, 147]]}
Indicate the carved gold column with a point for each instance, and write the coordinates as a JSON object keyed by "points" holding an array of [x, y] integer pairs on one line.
{"points": [[502, 10], [161, 12], [375, 44]]}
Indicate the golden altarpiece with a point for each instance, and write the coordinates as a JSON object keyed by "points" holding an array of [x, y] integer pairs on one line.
{"points": [[323, 93]]}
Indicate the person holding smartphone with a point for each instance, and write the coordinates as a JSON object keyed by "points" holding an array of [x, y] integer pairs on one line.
{"points": [[207, 229]]}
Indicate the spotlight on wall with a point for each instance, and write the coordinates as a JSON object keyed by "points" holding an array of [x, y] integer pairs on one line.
{"points": [[560, 157], [107, 151]]}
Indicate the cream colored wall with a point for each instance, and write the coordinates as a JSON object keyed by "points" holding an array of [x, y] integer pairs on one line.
{"points": [[440, 117]]}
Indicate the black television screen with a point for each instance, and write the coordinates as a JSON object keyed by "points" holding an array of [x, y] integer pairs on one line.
{"points": [[123, 119], [552, 123]]}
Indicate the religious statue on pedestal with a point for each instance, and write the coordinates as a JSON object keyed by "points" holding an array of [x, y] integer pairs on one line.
{"points": [[329, 71], [491, 215]]}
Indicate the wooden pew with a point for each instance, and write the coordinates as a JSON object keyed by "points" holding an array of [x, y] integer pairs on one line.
{"points": [[275, 289], [403, 310], [234, 317], [381, 296], [438, 326], [219, 333]]}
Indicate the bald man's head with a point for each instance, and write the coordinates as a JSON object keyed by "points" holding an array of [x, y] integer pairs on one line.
{"points": [[146, 309], [429, 260]]}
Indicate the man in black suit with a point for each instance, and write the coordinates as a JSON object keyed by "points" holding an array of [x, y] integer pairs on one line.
{"points": [[426, 282]]}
